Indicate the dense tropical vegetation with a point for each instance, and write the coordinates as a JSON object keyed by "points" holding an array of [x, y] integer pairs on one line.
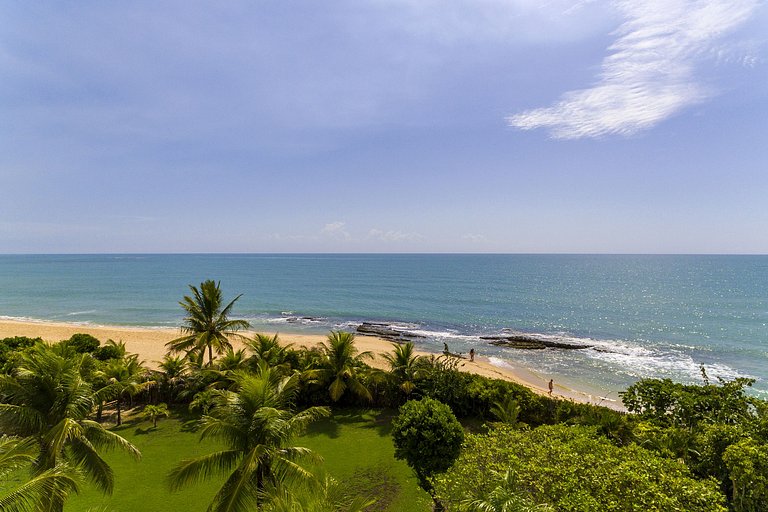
{"points": [[255, 404]]}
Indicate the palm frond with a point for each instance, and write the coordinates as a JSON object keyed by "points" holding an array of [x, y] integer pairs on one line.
{"points": [[191, 471]]}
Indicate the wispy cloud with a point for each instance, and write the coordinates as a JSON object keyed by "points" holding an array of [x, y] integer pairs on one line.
{"points": [[649, 74], [393, 236]]}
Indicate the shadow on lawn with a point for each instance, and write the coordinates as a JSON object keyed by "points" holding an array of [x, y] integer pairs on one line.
{"points": [[379, 420]]}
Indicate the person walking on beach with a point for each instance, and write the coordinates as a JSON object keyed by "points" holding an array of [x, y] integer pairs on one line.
{"points": [[551, 386], [471, 355]]}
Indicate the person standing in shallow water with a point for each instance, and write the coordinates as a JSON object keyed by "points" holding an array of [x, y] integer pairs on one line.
{"points": [[551, 386], [471, 355]]}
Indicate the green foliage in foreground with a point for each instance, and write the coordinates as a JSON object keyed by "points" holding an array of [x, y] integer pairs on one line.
{"points": [[573, 469]]}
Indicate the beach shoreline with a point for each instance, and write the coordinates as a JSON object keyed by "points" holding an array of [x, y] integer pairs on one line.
{"points": [[149, 344]]}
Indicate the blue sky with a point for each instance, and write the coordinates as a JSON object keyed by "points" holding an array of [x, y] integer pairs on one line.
{"points": [[384, 126]]}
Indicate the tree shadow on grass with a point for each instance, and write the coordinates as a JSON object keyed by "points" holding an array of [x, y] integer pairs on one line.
{"points": [[379, 420]]}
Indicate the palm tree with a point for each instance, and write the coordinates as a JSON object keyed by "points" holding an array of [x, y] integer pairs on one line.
{"points": [[173, 375], [207, 324], [506, 410], [405, 366], [47, 398], [155, 412], [257, 424], [268, 349], [504, 498], [40, 492], [341, 367], [124, 380], [323, 494]]}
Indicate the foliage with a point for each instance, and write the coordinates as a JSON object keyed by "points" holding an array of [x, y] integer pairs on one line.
{"points": [[155, 412], [669, 403], [10, 346], [42, 491], [575, 469], [427, 436], [747, 463], [110, 350], [405, 366], [506, 410], [207, 325], [257, 424], [340, 367], [82, 343], [47, 397]]}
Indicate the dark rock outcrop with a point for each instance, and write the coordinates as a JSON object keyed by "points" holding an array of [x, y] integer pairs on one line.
{"points": [[531, 342]]}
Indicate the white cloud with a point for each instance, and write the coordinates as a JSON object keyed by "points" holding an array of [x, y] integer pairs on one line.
{"points": [[649, 74], [474, 237], [393, 236], [336, 231]]}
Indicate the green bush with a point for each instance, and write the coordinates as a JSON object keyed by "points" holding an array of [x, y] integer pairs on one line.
{"points": [[574, 469], [427, 436], [83, 343]]}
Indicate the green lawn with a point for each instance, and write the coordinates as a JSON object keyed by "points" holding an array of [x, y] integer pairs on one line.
{"points": [[355, 444]]}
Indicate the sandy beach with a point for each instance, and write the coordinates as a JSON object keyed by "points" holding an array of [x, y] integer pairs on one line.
{"points": [[149, 343]]}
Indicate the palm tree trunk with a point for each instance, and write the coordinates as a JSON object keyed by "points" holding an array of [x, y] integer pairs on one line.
{"points": [[119, 419], [210, 355]]}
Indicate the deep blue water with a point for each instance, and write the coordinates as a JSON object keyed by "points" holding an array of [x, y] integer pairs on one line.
{"points": [[647, 316]]}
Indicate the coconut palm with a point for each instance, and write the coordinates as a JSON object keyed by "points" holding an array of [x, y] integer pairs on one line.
{"points": [[124, 380], [405, 366], [47, 398], [268, 349], [155, 412], [257, 424], [341, 366], [207, 325], [172, 376], [323, 494], [504, 498], [40, 492]]}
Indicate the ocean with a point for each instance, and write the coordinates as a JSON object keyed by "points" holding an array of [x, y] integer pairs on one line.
{"points": [[641, 316]]}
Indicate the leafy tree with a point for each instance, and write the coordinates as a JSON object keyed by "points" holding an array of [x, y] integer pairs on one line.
{"points": [[341, 366], [207, 325], [405, 366], [47, 398], [40, 492], [747, 463], [111, 350], [83, 343], [155, 412], [574, 468], [685, 405], [10, 346], [428, 437], [257, 424]]}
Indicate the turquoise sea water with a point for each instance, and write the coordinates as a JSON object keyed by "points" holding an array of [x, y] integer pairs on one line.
{"points": [[646, 316]]}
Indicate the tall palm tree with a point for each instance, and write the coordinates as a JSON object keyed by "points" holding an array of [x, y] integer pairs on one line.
{"points": [[40, 492], [47, 398], [405, 366], [341, 366], [207, 324], [257, 424]]}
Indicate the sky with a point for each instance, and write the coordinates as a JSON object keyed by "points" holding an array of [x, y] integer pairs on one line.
{"points": [[517, 126]]}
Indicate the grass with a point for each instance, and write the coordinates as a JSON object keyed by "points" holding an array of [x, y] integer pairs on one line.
{"points": [[355, 445]]}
